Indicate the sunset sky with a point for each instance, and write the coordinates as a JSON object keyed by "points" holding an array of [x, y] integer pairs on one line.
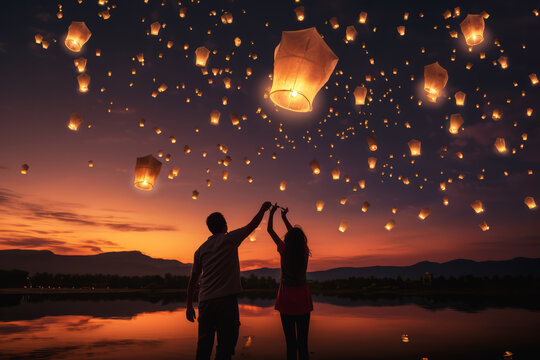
{"points": [[67, 207]]}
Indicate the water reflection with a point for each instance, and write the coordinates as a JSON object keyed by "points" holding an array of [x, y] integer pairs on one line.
{"points": [[142, 328]]}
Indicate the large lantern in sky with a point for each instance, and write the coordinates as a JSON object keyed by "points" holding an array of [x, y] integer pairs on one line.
{"points": [[435, 79], [78, 35], [154, 28], [84, 82], [360, 95], [456, 120], [473, 29], [414, 147], [201, 56], [302, 65], [146, 171]]}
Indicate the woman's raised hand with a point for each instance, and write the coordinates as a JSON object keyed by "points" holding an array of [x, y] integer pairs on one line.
{"points": [[284, 211]]}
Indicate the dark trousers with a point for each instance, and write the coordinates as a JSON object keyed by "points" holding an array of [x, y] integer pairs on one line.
{"points": [[296, 329], [218, 316]]}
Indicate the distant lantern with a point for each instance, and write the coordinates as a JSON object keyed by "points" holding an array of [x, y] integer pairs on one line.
{"points": [[496, 114], [362, 17], [146, 171], [362, 184], [372, 161], [24, 169], [194, 194], [500, 145], [283, 185], [78, 35], [227, 83], [343, 200], [335, 174], [435, 79], [214, 117], [80, 64], [91, 163], [84, 82], [401, 30], [227, 18], [320, 205], [477, 206], [365, 206], [154, 28], [237, 41], [343, 225], [456, 120], [484, 226], [360, 93], [529, 201], [372, 142], [503, 61], [315, 167], [460, 98], [39, 38], [390, 225], [299, 11], [225, 175], [424, 213], [334, 22], [201, 56], [75, 120], [414, 147], [445, 201], [350, 33], [473, 29], [534, 78], [302, 65], [235, 119]]}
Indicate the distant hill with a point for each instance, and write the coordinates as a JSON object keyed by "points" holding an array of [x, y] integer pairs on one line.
{"points": [[120, 263], [459, 267]]}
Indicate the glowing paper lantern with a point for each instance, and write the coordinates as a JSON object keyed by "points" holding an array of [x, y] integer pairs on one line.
{"points": [[237, 41], [283, 185], [529, 201], [365, 206], [372, 161], [534, 78], [414, 147], [343, 201], [80, 64], [90, 163], [75, 120], [302, 65], [500, 145], [154, 28], [401, 30], [360, 93], [78, 35], [84, 82], [350, 33], [456, 120], [320, 205], [214, 117], [227, 18], [390, 225], [299, 11], [235, 119], [194, 194], [372, 142], [335, 174], [496, 115], [315, 167], [39, 38], [503, 61], [201, 56], [146, 171], [343, 225], [477, 206], [24, 169], [435, 79], [460, 98], [362, 184], [472, 28], [334, 22], [424, 213], [405, 337], [484, 226], [362, 17], [225, 175]]}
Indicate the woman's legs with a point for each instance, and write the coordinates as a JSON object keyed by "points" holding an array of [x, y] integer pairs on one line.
{"points": [[288, 323], [302, 329]]}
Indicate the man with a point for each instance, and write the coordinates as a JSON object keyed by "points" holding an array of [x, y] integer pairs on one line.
{"points": [[216, 265]]}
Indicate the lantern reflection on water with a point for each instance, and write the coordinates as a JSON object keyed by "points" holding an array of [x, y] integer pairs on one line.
{"points": [[303, 63], [146, 171]]}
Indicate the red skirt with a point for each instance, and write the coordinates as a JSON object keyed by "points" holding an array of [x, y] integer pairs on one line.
{"points": [[294, 300]]}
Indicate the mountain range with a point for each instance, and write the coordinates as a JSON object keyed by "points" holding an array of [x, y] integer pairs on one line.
{"points": [[130, 263]]}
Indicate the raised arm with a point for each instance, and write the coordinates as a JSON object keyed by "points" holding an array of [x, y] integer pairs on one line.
{"points": [[240, 234], [270, 228], [284, 217]]}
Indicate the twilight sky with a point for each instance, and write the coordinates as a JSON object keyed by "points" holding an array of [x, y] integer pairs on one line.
{"points": [[65, 206]]}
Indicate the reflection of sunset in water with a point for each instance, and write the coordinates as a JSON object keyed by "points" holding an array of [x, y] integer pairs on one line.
{"points": [[337, 332]]}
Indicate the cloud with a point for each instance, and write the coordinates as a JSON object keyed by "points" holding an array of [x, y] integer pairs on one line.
{"points": [[55, 245]]}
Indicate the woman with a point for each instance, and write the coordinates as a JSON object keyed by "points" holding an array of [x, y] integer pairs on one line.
{"points": [[294, 299]]}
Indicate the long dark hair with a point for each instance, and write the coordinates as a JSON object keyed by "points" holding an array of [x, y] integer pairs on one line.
{"points": [[296, 242]]}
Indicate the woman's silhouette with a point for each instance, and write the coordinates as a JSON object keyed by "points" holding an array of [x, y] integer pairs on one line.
{"points": [[294, 298]]}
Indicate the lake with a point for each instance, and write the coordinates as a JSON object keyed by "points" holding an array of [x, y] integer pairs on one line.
{"points": [[141, 327]]}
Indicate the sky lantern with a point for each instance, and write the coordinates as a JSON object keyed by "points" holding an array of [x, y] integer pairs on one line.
{"points": [[194, 194], [414, 147], [435, 79], [299, 11], [372, 161], [335, 174], [503, 61], [146, 171], [350, 33], [500, 145], [362, 184], [529, 201], [343, 200], [84, 82], [534, 78], [90, 163], [496, 114], [235, 119], [201, 56], [75, 120], [214, 117], [283, 185], [365, 206], [315, 167], [477, 206], [237, 41], [224, 175], [334, 23], [456, 120], [424, 213], [343, 225], [154, 28], [24, 169], [401, 30], [80, 64], [320, 205], [362, 17], [227, 18], [39, 38], [460, 98], [390, 225], [78, 35], [302, 65], [445, 201], [472, 28], [372, 142], [360, 93], [484, 226]]}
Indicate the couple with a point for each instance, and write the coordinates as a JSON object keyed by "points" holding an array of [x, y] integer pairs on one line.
{"points": [[217, 268]]}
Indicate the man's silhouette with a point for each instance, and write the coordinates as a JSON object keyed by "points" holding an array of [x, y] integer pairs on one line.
{"points": [[217, 267]]}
